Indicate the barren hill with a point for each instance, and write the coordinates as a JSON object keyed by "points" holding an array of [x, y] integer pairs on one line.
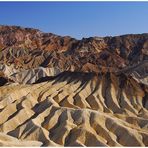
{"points": [[59, 91]]}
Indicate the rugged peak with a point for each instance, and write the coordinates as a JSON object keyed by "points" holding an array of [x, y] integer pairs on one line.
{"points": [[16, 28], [30, 48]]}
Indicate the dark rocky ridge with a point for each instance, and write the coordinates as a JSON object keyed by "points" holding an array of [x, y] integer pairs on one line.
{"points": [[30, 48]]}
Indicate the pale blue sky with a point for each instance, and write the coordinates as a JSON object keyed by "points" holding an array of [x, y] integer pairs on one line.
{"points": [[78, 19]]}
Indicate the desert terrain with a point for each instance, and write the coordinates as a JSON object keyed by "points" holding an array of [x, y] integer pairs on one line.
{"points": [[60, 91]]}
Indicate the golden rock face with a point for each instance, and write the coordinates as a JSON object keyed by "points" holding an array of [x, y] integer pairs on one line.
{"points": [[76, 111], [59, 91]]}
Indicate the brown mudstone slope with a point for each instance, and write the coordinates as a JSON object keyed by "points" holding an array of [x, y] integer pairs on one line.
{"points": [[59, 91], [30, 48]]}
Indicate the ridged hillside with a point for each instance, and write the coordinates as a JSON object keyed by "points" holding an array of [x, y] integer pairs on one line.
{"points": [[60, 91]]}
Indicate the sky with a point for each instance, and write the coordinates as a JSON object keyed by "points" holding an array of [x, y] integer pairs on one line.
{"points": [[78, 19]]}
